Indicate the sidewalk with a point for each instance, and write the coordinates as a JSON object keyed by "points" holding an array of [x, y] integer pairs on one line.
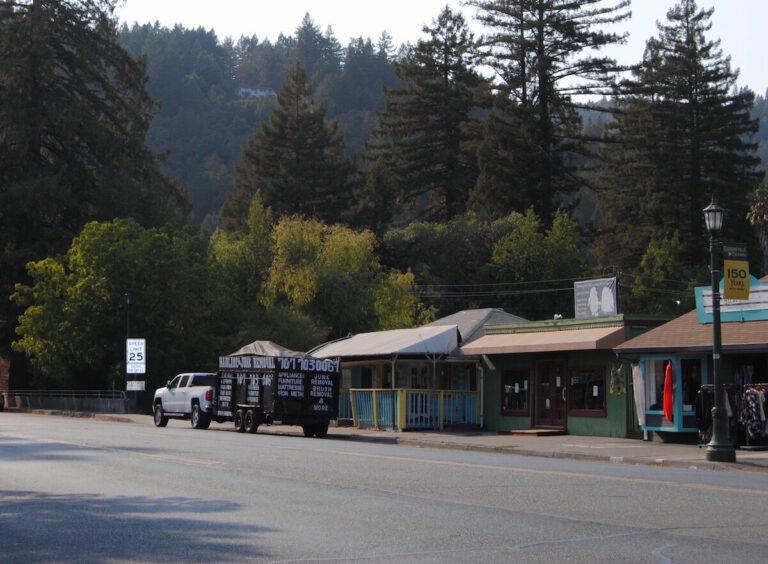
{"points": [[597, 449]]}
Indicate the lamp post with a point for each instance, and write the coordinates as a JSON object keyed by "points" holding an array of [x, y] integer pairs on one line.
{"points": [[719, 449]]}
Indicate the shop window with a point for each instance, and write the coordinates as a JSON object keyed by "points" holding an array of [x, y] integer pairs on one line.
{"points": [[691, 369], [514, 392], [587, 392], [654, 384], [420, 377], [366, 378]]}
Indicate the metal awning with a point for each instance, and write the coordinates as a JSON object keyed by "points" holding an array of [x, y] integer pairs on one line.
{"points": [[426, 341], [597, 338]]}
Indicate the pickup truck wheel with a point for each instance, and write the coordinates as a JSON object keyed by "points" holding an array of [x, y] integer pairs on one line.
{"points": [[199, 419], [160, 419], [239, 421], [250, 424]]}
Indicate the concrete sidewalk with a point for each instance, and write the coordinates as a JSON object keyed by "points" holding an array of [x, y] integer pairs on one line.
{"points": [[597, 449]]}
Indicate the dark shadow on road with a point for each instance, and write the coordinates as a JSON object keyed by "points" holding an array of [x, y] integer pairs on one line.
{"points": [[39, 527]]}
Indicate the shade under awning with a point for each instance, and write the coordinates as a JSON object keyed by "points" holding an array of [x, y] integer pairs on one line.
{"points": [[430, 341], [547, 341]]}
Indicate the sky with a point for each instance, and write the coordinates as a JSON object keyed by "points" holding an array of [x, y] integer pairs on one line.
{"points": [[739, 24]]}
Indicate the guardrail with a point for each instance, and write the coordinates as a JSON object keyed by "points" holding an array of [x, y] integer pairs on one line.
{"points": [[96, 401], [100, 394], [414, 409]]}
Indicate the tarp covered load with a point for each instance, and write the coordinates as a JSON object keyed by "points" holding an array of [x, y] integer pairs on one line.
{"points": [[265, 348]]}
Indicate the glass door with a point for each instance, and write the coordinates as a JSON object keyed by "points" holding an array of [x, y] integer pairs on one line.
{"points": [[550, 394]]}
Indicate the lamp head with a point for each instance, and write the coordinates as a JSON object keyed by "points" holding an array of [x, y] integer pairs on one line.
{"points": [[713, 217]]}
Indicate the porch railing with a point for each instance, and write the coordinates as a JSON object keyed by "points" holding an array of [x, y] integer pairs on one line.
{"points": [[414, 409]]}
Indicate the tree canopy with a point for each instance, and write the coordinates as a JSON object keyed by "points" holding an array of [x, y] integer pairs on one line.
{"points": [[296, 160], [73, 117], [681, 137]]}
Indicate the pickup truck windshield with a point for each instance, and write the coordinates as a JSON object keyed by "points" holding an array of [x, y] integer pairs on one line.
{"points": [[203, 380]]}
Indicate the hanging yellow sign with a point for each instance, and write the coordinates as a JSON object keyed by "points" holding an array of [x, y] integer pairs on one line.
{"points": [[736, 267]]}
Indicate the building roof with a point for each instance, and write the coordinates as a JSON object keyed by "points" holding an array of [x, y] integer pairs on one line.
{"points": [[265, 348], [575, 339], [685, 333], [471, 322], [419, 341]]}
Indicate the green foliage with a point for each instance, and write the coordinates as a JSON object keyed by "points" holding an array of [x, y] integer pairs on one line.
{"points": [[296, 160], [660, 265], [758, 218], [421, 138], [543, 53], [450, 260], [471, 263], [332, 275], [200, 126], [242, 259], [550, 259], [680, 137], [74, 322], [73, 117]]}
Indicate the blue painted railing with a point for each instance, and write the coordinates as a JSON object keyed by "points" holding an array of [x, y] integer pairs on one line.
{"points": [[414, 409], [345, 406]]}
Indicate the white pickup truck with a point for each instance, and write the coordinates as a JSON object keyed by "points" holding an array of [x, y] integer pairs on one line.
{"points": [[187, 396]]}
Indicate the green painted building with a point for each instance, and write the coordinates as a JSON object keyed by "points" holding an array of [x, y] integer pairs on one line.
{"points": [[560, 375]]}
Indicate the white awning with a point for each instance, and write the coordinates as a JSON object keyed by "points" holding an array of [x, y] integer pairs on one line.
{"points": [[546, 341], [429, 341]]}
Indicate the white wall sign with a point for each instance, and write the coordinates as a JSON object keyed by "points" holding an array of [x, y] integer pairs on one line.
{"points": [[595, 298], [135, 356]]}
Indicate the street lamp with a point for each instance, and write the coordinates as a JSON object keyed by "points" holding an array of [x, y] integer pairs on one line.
{"points": [[719, 449]]}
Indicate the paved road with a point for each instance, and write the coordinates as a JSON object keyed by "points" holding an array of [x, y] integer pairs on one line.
{"points": [[97, 491]]}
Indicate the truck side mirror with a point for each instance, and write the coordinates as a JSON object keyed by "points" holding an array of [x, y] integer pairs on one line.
{"points": [[168, 384]]}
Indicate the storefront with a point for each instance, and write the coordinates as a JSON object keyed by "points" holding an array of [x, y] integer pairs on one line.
{"points": [[682, 349], [559, 375]]}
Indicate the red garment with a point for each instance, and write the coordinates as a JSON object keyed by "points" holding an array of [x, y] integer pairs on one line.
{"points": [[669, 395]]}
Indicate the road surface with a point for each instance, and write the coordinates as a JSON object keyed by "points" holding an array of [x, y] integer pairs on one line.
{"points": [[85, 490]]}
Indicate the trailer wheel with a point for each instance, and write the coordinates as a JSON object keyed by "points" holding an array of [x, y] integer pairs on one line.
{"points": [[250, 424], [160, 418], [239, 423], [321, 430]]}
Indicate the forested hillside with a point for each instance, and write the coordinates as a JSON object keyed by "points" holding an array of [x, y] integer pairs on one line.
{"points": [[352, 188], [212, 94]]}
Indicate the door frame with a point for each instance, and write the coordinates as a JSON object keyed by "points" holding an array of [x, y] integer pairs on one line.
{"points": [[555, 392]]}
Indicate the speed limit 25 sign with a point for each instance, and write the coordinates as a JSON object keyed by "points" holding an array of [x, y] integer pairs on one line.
{"points": [[135, 356]]}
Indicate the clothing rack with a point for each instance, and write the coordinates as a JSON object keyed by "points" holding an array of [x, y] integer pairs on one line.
{"points": [[703, 412], [761, 444]]}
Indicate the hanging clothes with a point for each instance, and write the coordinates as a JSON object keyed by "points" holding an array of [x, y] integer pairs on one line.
{"points": [[669, 394], [639, 389]]}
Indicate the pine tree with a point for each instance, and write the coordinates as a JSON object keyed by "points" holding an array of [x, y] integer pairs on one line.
{"points": [[679, 138], [73, 117], [539, 51], [421, 136], [296, 160]]}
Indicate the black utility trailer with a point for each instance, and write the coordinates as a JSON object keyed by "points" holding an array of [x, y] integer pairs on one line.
{"points": [[256, 390]]}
